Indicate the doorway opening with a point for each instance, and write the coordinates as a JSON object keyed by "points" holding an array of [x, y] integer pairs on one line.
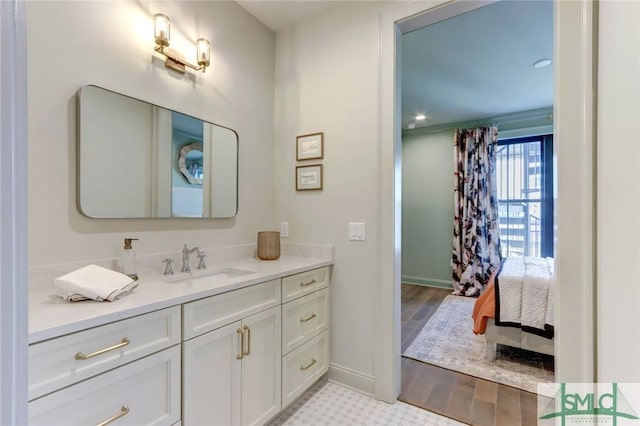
{"points": [[575, 26], [574, 132], [468, 71]]}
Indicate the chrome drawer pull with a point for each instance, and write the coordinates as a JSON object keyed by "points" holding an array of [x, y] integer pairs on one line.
{"points": [[313, 361], [248, 352], [123, 412], [241, 339], [80, 356], [309, 318], [308, 283]]}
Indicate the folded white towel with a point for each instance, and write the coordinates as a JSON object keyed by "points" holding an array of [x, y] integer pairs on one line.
{"points": [[94, 282]]}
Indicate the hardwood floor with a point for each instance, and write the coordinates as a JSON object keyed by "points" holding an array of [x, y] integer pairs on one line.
{"points": [[459, 396]]}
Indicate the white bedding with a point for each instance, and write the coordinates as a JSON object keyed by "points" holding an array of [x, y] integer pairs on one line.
{"points": [[526, 289]]}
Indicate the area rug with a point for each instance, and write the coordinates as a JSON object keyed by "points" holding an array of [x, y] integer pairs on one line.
{"points": [[447, 340]]}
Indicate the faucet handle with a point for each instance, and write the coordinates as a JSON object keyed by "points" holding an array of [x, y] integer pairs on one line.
{"points": [[168, 270], [201, 256]]}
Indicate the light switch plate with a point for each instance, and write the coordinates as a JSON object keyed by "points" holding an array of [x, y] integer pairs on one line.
{"points": [[284, 229], [356, 231]]}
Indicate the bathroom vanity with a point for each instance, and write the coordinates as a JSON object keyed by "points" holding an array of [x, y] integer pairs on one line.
{"points": [[229, 345]]}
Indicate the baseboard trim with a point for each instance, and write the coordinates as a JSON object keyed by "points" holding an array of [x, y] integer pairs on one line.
{"points": [[427, 282], [352, 379]]}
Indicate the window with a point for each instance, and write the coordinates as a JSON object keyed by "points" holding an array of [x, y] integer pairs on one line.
{"points": [[524, 172]]}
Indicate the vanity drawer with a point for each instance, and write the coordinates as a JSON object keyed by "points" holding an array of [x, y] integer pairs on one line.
{"points": [[148, 388], [303, 366], [303, 318], [208, 314], [295, 286], [58, 362]]}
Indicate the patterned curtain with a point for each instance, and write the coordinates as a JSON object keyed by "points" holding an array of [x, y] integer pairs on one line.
{"points": [[476, 241]]}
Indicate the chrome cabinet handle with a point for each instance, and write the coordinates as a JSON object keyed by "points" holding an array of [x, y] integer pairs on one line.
{"points": [[313, 281], [246, 327], [309, 318], [124, 342], [313, 361], [123, 412], [241, 342]]}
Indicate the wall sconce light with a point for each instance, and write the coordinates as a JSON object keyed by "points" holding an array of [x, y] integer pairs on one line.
{"points": [[175, 61]]}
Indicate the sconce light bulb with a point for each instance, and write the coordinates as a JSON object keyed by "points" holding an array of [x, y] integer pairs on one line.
{"points": [[161, 29], [203, 51]]}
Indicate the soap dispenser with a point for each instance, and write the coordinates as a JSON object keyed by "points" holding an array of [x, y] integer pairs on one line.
{"points": [[128, 261]]}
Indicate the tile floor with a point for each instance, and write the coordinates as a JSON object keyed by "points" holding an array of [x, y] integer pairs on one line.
{"points": [[330, 404]]}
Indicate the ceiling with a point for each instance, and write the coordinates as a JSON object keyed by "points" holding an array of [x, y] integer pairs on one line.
{"points": [[477, 65], [279, 15]]}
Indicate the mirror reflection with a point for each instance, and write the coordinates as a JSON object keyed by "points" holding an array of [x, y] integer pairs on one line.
{"points": [[139, 160], [191, 163]]}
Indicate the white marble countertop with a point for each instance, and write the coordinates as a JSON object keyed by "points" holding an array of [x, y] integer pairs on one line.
{"points": [[50, 316]]}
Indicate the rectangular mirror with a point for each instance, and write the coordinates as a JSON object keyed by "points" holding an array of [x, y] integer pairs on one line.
{"points": [[139, 160]]}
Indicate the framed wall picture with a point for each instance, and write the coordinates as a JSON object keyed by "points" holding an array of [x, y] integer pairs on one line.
{"points": [[309, 177], [310, 147]]}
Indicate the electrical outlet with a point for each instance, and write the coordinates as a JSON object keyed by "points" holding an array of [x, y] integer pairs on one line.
{"points": [[356, 231], [284, 229]]}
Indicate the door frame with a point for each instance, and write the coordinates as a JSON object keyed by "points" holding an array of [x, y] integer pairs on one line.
{"points": [[13, 214], [574, 115]]}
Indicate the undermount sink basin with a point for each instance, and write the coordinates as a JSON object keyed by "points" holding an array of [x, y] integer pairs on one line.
{"points": [[207, 273]]}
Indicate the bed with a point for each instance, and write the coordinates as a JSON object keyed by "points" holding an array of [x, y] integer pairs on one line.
{"points": [[516, 308]]}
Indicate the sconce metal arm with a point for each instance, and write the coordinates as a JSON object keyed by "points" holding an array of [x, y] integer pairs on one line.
{"points": [[176, 62]]}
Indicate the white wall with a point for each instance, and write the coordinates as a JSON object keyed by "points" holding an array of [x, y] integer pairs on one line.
{"points": [[618, 188], [110, 44], [326, 81], [427, 207]]}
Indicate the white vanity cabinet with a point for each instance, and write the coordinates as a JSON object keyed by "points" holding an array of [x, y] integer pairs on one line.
{"points": [[127, 371], [233, 356], [231, 370], [305, 331]]}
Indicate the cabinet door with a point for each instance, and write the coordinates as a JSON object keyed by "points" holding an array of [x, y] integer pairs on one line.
{"points": [[261, 367], [144, 392], [211, 378]]}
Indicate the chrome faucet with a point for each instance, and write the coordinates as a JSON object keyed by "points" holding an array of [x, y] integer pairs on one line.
{"points": [[185, 258]]}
